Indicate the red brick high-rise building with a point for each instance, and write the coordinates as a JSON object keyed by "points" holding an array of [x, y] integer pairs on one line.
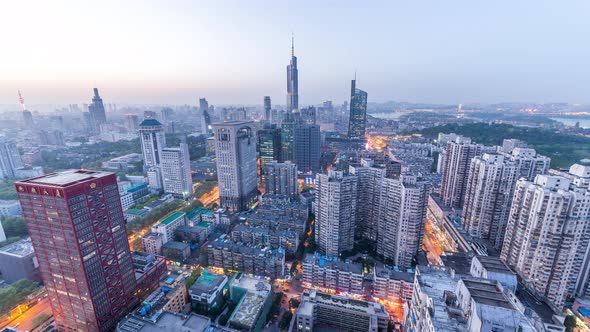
{"points": [[78, 231]]}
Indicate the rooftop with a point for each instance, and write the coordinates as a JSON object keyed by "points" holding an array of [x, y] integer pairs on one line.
{"points": [[150, 122], [137, 187], [164, 321], [344, 302], [494, 264], [248, 310], [208, 282], [176, 245], [487, 292], [171, 217], [66, 178], [333, 263], [382, 272], [138, 212], [197, 211], [20, 248]]}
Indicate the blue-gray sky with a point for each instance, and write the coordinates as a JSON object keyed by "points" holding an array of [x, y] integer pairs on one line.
{"points": [[236, 51]]}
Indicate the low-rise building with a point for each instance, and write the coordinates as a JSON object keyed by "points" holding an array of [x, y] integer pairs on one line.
{"points": [[256, 260], [149, 269], [208, 291], [200, 214], [152, 243], [174, 289], [18, 261], [254, 299], [194, 234], [127, 200], [176, 251], [10, 208], [287, 239], [391, 285], [321, 310], [160, 321], [131, 214], [169, 224], [331, 273], [494, 269], [139, 191]]}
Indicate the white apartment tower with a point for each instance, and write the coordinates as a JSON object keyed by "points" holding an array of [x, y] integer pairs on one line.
{"points": [[153, 140], [548, 233], [455, 168], [176, 171], [235, 150], [10, 159], [488, 197], [281, 179], [335, 207], [402, 214], [367, 211]]}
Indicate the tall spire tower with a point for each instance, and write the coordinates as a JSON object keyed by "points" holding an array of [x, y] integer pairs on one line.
{"points": [[27, 115], [292, 81]]}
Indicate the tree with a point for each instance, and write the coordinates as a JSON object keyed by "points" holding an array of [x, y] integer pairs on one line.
{"points": [[40, 319], [570, 323], [14, 227], [285, 320], [15, 294]]}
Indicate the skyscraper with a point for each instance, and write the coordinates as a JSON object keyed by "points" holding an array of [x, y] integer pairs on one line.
{"points": [[203, 105], [267, 108], [27, 115], [97, 112], [335, 210], [309, 115], [457, 159], [402, 214], [369, 188], [269, 145], [292, 82], [358, 113], [306, 148], [548, 233], [287, 137], [78, 232], [488, 197], [153, 140], [176, 171], [10, 158], [235, 151], [131, 122], [281, 179]]}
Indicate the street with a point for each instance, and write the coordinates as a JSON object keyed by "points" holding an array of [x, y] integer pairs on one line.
{"points": [[24, 322]]}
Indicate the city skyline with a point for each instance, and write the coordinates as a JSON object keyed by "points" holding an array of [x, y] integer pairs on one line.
{"points": [[463, 54]]}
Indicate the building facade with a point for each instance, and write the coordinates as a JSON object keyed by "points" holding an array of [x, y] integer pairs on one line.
{"points": [[455, 170], [488, 197], [369, 188], [292, 82], [281, 179], [269, 145], [153, 140], [548, 233], [10, 159], [235, 150], [306, 148], [176, 171], [358, 112], [402, 217], [335, 207], [78, 232]]}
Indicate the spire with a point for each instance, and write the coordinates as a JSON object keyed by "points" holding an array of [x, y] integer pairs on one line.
{"points": [[21, 100], [96, 92], [292, 45]]}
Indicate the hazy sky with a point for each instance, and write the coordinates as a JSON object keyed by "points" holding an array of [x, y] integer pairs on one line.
{"points": [[236, 51]]}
